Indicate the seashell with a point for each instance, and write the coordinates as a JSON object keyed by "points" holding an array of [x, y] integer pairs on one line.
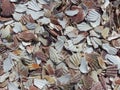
{"points": [[30, 49], [95, 45], [7, 8], [59, 45], [111, 71], [113, 36], [79, 38], [109, 49], [54, 55], [92, 60], [74, 61], [105, 32], [42, 1], [80, 16], [116, 43], [4, 84], [20, 8], [44, 20], [75, 78], [3, 19], [69, 46], [84, 26], [40, 83], [71, 12], [12, 86], [5, 32], [35, 15], [33, 66], [69, 29], [89, 41], [114, 59], [97, 40], [94, 34], [8, 64], [4, 77], [93, 17], [101, 62], [97, 86], [17, 27], [50, 79], [13, 0], [84, 65], [62, 22], [33, 5], [31, 26], [106, 3], [94, 76], [49, 69], [65, 79], [17, 16]]}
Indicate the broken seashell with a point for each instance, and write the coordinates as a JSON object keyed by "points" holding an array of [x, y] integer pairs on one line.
{"points": [[84, 65], [17, 27], [7, 8], [71, 12], [17, 16], [12, 86], [31, 26], [20, 8], [84, 26], [109, 49]]}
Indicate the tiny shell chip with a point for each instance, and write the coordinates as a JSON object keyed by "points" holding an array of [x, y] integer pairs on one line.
{"points": [[40, 83], [84, 26], [71, 12], [20, 8], [34, 5], [109, 49], [84, 66]]}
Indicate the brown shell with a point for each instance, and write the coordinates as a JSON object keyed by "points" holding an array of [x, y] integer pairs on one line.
{"points": [[7, 8]]}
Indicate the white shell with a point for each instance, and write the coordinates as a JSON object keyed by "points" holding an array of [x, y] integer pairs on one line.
{"points": [[33, 5], [42, 1], [69, 29], [97, 40], [20, 8], [4, 76], [40, 83], [114, 35], [78, 39], [95, 45], [84, 65], [114, 59], [71, 12], [44, 20], [93, 33], [59, 45], [12, 86], [62, 22], [31, 26], [109, 49], [17, 16], [17, 27], [84, 26], [35, 15], [13, 0]]}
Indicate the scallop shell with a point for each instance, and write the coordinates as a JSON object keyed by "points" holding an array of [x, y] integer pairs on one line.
{"points": [[84, 26], [54, 55], [59, 45], [7, 8], [35, 15], [109, 49], [17, 16], [20, 8], [33, 5]]}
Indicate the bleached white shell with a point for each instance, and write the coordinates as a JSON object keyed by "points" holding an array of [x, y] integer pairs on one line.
{"points": [[20, 8], [78, 39], [35, 15], [31, 26], [59, 45], [33, 5], [93, 33], [97, 40], [114, 59], [71, 12], [12, 86], [84, 65], [40, 83], [42, 1], [114, 35], [4, 76], [17, 27], [95, 45], [69, 29], [84, 26], [17, 16], [109, 49], [62, 22], [44, 20]]}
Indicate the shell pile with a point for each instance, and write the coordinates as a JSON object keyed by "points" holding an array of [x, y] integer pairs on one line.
{"points": [[59, 45]]}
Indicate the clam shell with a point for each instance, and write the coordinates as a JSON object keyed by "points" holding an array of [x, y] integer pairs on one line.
{"points": [[84, 26], [33, 5], [20, 8], [109, 49], [35, 15]]}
